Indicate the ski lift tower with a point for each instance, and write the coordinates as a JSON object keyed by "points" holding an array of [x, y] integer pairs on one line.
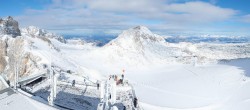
{"points": [[16, 71], [53, 82], [113, 91], [16, 76], [51, 96], [107, 95]]}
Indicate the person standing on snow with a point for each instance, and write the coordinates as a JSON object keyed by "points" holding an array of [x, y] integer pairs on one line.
{"points": [[109, 96], [123, 71], [135, 102], [73, 83], [122, 78], [98, 85]]}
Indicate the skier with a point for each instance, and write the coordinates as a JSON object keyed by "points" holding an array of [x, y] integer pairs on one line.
{"points": [[73, 83]]}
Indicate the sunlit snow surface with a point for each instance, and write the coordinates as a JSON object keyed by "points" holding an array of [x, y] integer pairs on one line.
{"points": [[177, 86], [162, 73], [166, 86]]}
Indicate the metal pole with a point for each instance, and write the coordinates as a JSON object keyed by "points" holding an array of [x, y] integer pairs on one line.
{"points": [[102, 87], [55, 83], [15, 78], [113, 92], [51, 96]]}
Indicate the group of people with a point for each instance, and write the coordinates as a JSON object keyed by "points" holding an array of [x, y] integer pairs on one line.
{"points": [[115, 77], [135, 102], [118, 81]]}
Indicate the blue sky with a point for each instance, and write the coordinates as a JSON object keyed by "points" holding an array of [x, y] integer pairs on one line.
{"points": [[90, 17]]}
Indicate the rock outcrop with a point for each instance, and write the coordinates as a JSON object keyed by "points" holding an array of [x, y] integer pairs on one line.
{"points": [[13, 55], [9, 26], [41, 33]]}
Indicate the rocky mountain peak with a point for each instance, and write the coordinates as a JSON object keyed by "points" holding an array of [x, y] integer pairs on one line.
{"points": [[142, 29], [34, 31], [136, 40], [9, 18], [139, 34], [9, 26], [41, 33]]}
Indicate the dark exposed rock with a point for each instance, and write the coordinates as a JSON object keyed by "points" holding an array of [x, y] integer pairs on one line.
{"points": [[9, 26]]}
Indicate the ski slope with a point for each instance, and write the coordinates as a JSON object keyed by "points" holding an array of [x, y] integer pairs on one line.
{"points": [[186, 87]]}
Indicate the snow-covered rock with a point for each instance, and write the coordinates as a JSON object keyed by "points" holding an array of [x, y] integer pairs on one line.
{"points": [[9, 26], [223, 51], [135, 39], [19, 51], [37, 32]]}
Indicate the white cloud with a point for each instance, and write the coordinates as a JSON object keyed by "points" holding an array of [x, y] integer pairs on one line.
{"points": [[246, 18], [120, 14], [198, 12]]}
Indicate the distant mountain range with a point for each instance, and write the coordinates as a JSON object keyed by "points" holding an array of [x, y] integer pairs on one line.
{"points": [[209, 39], [101, 40]]}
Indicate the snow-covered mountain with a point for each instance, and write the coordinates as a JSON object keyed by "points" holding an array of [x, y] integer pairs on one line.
{"points": [[140, 45], [135, 46], [136, 39]]}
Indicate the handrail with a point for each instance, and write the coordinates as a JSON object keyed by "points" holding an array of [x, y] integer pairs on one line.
{"points": [[134, 96], [4, 81]]}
